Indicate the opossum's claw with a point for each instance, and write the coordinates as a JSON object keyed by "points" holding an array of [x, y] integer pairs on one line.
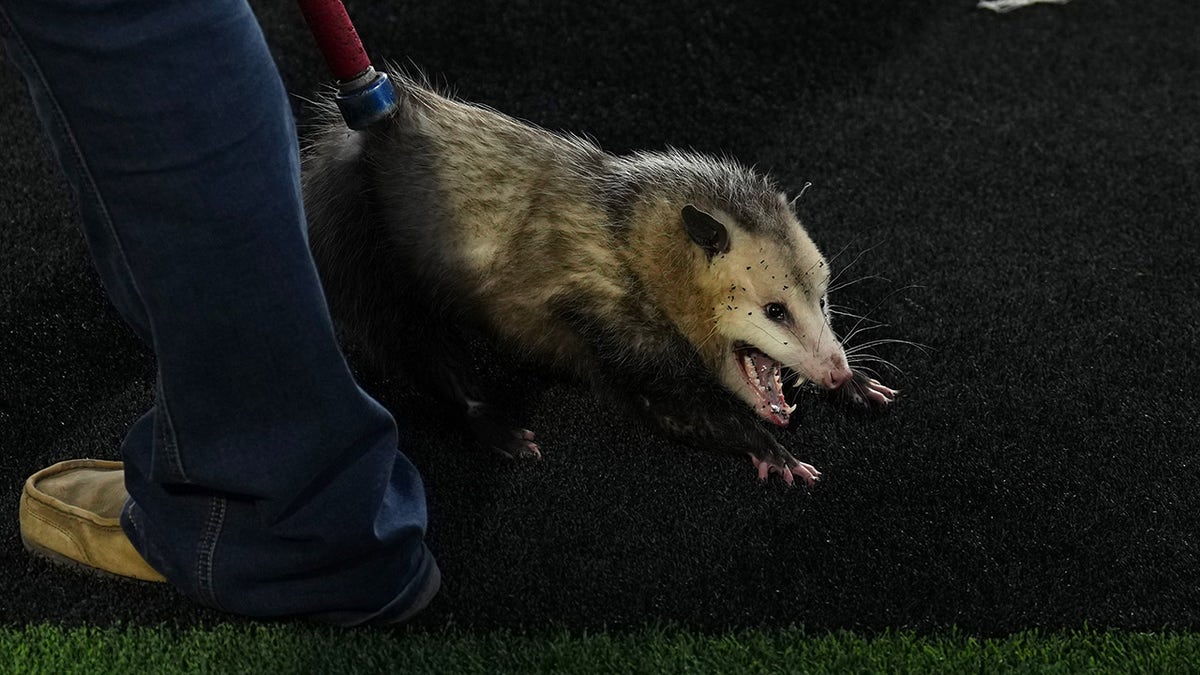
{"points": [[494, 434], [763, 468], [526, 448], [529, 451], [789, 467], [806, 471], [518, 449], [520, 446], [878, 393]]}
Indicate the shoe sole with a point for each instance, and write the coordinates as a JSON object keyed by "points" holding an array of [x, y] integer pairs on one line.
{"points": [[60, 560]]}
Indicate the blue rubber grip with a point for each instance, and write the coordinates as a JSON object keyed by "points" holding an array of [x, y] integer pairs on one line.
{"points": [[365, 106]]}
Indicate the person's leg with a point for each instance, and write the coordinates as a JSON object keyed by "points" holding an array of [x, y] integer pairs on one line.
{"points": [[263, 481]]}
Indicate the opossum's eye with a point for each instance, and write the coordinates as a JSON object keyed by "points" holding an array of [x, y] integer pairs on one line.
{"points": [[776, 312], [822, 303]]}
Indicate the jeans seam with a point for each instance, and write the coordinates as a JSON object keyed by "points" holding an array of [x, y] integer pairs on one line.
{"points": [[89, 191], [206, 551], [164, 432], [64, 129], [130, 515]]}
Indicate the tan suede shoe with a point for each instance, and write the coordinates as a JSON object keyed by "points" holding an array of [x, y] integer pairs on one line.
{"points": [[70, 513]]}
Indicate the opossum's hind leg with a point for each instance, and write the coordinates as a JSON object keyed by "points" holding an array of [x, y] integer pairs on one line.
{"points": [[434, 359]]}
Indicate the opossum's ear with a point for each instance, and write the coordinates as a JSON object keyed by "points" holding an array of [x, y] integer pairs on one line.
{"points": [[706, 231]]}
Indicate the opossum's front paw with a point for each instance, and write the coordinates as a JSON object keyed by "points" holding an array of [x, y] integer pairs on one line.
{"points": [[781, 461], [865, 390]]}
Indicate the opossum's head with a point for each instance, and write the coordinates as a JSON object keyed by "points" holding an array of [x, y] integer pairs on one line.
{"points": [[768, 284]]}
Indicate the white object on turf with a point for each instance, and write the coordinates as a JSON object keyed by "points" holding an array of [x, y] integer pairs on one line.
{"points": [[1001, 6]]}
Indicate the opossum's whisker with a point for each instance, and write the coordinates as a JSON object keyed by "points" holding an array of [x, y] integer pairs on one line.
{"points": [[852, 262], [850, 336], [821, 335], [859, 351], [888, 341], [765, 332], [865, 369], [860, 326], [854, 328], [792, 376], [881, 301], [793, 368], [838, 254], [858, 389], [858, 359], [840, 310], [869, 277], [711, 331]]}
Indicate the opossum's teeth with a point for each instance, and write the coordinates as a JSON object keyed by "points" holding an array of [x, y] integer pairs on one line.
{"points": [[763, 374]]}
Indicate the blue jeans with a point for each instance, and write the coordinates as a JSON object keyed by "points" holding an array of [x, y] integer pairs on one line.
{"points": [[263, 481]]}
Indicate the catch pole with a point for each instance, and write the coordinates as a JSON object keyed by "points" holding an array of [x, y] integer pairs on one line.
{"points": [[365, 95]]}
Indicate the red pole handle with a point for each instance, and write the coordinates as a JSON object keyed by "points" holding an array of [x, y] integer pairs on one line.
{"points": [[336, 37]]}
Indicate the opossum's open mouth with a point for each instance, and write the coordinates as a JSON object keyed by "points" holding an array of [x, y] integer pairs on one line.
{"points": [[764, 375]]}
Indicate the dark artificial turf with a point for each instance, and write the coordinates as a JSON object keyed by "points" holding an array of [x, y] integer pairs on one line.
{"points": [[1020, 194]]}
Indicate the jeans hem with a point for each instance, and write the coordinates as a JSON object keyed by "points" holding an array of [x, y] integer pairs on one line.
{"points": [[408, 603]]}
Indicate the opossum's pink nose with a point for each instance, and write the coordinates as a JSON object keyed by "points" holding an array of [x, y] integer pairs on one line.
{"points": [[837, 377]]}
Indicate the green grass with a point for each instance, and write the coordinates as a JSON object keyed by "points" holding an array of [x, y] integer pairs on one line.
{"points": [[305, 649]]}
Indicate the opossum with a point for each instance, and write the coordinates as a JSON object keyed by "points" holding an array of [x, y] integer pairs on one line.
{"points": [[681, 285]]}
